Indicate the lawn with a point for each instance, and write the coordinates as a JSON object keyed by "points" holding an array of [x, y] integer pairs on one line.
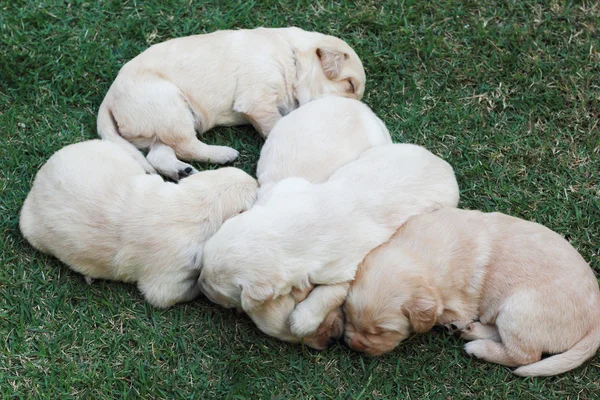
{"points": [[507, 91]]}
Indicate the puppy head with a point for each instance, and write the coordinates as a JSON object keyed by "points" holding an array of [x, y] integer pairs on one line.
{"points": [[237, 268], [332, 69], [388, 301]]}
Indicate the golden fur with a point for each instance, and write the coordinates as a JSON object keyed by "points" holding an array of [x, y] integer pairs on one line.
{"points": [[515, 288]]}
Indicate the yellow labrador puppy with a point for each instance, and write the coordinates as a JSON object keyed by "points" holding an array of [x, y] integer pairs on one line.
{"points": [[301, 234], [515, 288], [317, 139], [184, 86], [93, 207]]}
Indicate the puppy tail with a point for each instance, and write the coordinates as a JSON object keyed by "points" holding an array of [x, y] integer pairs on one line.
{"points": [[566, 361], [107, 130]]}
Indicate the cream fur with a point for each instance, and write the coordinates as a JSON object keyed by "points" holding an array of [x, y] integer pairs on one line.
{"points": [[302, 234], [93, 207], [317, 139], [528, 288], [164, 96]]}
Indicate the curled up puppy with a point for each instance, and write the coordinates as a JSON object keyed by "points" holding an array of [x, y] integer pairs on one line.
{"points": [[513, 288], [162, 98], [300, 234], [317, 139], [93, 207]]}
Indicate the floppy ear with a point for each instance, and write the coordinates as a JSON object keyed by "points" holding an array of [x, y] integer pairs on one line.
{"points": [[331, 61], [254, 295], [421, 309]]}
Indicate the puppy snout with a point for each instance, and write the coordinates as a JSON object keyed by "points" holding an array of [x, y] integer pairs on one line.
{"points": [[356, 343]]}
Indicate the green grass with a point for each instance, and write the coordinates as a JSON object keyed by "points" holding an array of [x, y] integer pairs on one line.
{"points": [[507, 91]]}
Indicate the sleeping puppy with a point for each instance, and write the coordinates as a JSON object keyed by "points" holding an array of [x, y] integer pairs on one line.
{"points": [[184, 86], [317, 139], [515, 288], [93, 207], [301, 234]]}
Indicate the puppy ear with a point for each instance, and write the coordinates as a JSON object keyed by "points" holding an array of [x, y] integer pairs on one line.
{"points": [[253, 296], [421, 310], [331, 61]]}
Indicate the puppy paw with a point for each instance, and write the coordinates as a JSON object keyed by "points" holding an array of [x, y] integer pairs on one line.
{"points": [[176, 171], [221, 154], [476, 348], [333, 325], [303, 322], [331, 328], [185, 171], [455, 328], [478, 331], [88, 279], [469, 332]]}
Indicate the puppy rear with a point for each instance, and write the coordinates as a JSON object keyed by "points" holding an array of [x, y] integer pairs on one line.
{"points": [[74, 201]]}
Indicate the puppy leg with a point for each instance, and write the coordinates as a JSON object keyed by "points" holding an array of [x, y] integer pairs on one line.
{"points": [[498, 353], [194, 149], [263, 120], [260, 109], [155, 110], [164, 291], [163, 158], [479, 331], [309, 314]]}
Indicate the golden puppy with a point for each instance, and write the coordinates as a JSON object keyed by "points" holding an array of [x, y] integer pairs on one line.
{"points": [[301, 234], [317, 139], [184, 86], [515, 288], [93, 207]]}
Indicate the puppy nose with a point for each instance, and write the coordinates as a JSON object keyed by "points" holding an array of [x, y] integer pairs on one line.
{"points": [[356, 343]]}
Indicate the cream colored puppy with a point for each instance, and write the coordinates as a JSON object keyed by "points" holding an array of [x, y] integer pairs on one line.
{"points": [[184, 86], [93, 207], [301, 234], [317, 139], [515, 288]]}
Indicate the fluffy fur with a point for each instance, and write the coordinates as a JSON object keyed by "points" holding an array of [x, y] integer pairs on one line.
{"points": [[94, 208], [164, 96], [317, 139], [301, 234], [515, 288]]}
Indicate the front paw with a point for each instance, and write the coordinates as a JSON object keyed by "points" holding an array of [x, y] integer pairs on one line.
{"points": [[303, 322], [331, 328], [222, 154], [456, 327], [185, 170], [333, 325]]}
